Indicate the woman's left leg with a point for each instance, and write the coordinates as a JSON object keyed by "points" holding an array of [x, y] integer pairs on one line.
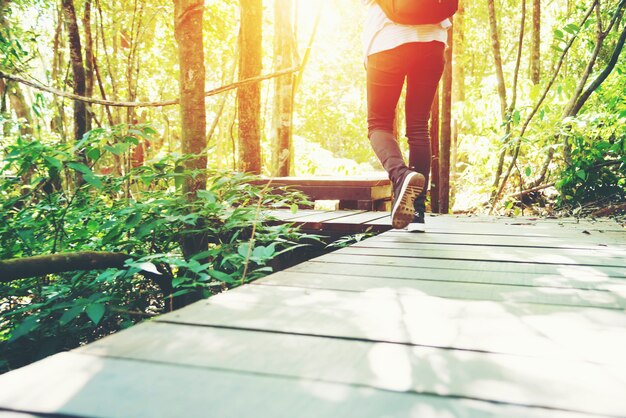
{"points": [[426, 67]]}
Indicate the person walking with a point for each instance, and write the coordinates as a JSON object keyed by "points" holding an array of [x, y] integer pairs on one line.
{"points": [[396, 52]]}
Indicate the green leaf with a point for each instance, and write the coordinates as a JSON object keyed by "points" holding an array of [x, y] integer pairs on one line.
{"points": [[80, 167], [581, 174], [95, 312], [221, 276], [54, 162], [70, 314], [93, 180], [243, 249], [528, 171], [93, 153], [27, 325], [178, 281], [294, 208]]}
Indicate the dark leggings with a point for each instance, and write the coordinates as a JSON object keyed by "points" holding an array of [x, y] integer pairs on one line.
{"points": [[421, 64]]}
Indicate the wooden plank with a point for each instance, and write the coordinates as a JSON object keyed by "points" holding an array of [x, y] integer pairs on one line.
{"points": [[455, 290], [605, 257], [345, 192], [583, 334], [577, 233], [537, 382], [489, 241], [578, 273], [368, 180], [358, 219], [318, 218], [90, 386], [571, 278], [288, 215]]}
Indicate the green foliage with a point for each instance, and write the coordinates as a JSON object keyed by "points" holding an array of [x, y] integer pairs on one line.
{"points": [[598, 168], [141, 213]]}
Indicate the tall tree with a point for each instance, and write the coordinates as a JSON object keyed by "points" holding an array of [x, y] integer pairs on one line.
{"points": [[78, 69], [12, 90], [434, 148], [284, 46], [89, 60], [249, 97], [458, 67], [535, 54], [188, 33], [446, 130], [497, 59]]}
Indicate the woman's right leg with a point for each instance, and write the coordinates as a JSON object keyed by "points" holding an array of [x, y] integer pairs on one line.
{"points": [[385, 78]]}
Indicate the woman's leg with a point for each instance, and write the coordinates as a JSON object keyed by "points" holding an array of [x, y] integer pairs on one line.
{"points": [[385, 78], [426, 67]]}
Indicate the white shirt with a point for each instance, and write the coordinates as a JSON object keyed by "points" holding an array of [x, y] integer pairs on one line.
{"points": [[381, 34]]}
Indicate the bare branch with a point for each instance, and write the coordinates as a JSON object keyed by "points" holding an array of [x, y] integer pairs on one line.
{"points": [[145, 104]]}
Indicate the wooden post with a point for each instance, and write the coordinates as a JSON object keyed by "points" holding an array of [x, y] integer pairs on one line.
{"points": [[434, 149], [446, 131]]}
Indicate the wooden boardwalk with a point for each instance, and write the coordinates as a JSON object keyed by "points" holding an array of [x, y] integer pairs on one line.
{"points": [[479, 317]]}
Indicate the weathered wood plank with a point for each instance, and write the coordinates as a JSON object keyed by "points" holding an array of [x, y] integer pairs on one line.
{"points": [[566, 279], [491, 241], [564, 384], [90, 386], [579, 274], [595, 335], [328, 216], [359, 218], [287, 215], [607, 257], [455, 290], [577, 232]]}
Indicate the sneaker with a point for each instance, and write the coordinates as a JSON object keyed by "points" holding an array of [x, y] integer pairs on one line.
{"points": [[404, 194], [418, 223]]}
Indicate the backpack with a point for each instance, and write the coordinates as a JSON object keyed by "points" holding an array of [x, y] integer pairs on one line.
{"points": [[418, 12]]}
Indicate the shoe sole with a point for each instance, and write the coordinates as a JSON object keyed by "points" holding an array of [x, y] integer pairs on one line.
{"points": [[415, 227], [403, 210]]}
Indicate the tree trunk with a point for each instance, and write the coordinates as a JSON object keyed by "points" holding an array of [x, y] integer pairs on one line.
{"points": [[89, 60], [446, 130], [458, 67], [20, 107], [188, 33], [78, 69], [284, 46], [58, 120], [497, 58], [434, 149], [249, 97], [535, 54], [13, 91]]}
